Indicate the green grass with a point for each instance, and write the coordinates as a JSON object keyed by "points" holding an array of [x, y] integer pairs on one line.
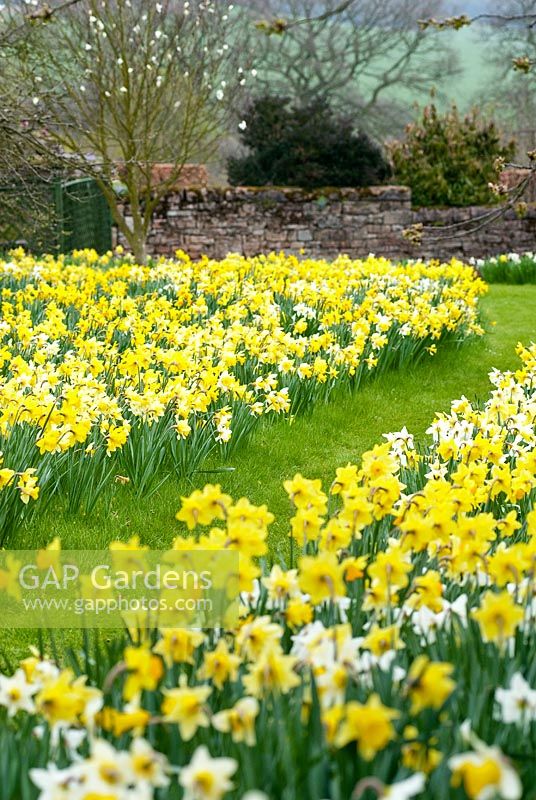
{"points": [[314, 444]]}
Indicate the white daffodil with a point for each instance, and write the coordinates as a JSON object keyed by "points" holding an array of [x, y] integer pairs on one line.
{"points": [[71, 738], [404, 790], [207, 778], [331, 683], [58, 784], [255, 794], [518, 703], [400, 438], [110, 767], [147, 765], [425, 622], [305, 640], [458, 609], [489, 766], [437, 471], [16, 694]]}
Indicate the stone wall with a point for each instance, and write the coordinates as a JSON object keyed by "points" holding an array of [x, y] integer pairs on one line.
{"points": [[325, 223]]}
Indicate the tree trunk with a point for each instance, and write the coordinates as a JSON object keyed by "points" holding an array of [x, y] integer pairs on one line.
{"points": [[137, 237], [139, 249]]}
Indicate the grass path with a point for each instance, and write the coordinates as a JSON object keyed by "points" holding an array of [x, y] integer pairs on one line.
{"points": [[315, 444], [334, 434]]}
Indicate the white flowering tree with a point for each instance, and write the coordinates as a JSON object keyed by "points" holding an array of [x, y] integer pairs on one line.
{"points": [[119, 86]]}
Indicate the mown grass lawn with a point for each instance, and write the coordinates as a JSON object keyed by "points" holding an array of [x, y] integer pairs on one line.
{"points": [[314, 444], [320, 441]]}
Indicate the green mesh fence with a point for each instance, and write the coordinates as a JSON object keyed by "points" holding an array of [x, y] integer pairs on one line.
{"points": [[55, 216], [85, 215]]}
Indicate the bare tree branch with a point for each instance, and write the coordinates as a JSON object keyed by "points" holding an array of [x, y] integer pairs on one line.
{"points": [[416, 234], [279, 25], [324, 16], [463, 20], [46, 12]]}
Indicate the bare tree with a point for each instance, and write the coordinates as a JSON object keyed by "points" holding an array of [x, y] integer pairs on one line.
{"points": [[513, 91], [359, 55], [118, 87], [516, 21]]}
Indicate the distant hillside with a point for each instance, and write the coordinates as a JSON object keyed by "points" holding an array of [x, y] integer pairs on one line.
{"points": [[473, 7], [475, 70], [475, 64]]}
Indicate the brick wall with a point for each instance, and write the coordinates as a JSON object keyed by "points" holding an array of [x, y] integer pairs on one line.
{"points": [[324, 222]]}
